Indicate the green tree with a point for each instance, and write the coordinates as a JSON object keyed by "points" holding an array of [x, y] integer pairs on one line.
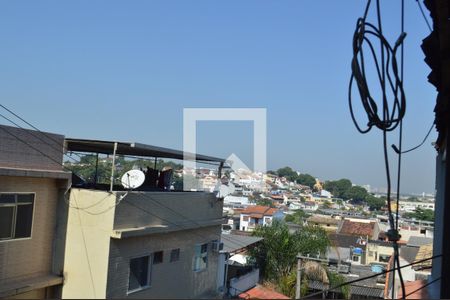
{"points": [[421, 214], [357, 194], [276, 254], [297, 217], [339, 188], [288, 173], [326, 204], [375, 203], [306, 179], [265, 202]]}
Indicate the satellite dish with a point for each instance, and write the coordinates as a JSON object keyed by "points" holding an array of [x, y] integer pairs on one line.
{"points": [[133, 179]]}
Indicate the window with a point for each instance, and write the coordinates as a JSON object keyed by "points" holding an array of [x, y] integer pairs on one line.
{"points": [[157, 257], [355, 258], [16, 215], [175, 255], [267, 220], [139, 276], [384, 258], [245, 218], [201, 257]]}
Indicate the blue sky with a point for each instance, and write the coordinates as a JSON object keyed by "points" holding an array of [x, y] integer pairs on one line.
{"points": [[125, 70]]}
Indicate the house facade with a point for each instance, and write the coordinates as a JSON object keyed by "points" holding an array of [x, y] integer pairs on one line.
{"points": [[257, 215], [141, 244], [32, 209]]}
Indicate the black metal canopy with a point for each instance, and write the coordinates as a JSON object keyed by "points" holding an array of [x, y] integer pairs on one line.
{"points": [[132, 149]]}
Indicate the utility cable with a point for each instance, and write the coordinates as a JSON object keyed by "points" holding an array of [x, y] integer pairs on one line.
{"points": [[423, 15], [35, 136], [390, 79], [31, 125]]}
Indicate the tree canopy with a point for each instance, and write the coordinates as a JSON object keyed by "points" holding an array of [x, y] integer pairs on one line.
{"points": [[421, 214], [276, 254], [306, 179]]}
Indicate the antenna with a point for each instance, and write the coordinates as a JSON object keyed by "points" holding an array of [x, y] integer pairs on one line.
{"points": [[133, 179]]}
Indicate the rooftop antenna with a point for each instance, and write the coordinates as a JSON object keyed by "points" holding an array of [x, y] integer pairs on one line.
{"points": [[132, 179]]}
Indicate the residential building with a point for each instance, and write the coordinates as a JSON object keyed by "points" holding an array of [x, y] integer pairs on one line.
{"points": [[143, 243], [236, 272], [258, 215], [326, 222], [365, 228], [379, 252], [32, 213]]}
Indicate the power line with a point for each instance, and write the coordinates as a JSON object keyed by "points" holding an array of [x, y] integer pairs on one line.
{"points": [[422, 287], [35, 135], [29, 124], [415, 147], [423, 15]]}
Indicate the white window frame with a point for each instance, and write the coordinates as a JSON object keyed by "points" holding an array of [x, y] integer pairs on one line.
{"points": [[149, 273], [201, 255], [7, 240]]}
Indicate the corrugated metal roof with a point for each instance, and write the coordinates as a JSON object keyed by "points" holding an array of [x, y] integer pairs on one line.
{"points": [[233, 242]]}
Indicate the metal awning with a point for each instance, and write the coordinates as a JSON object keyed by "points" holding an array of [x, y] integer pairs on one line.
{"points": [[132, 149]]}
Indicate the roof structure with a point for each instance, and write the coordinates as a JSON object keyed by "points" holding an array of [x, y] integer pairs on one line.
{"points": [[261, 292], [343, 240], [322, 220], [357, 228], [417, 241], [409, 253], [258, 211], [235, 243], [412, 286], [137, 149], [425, 251]]}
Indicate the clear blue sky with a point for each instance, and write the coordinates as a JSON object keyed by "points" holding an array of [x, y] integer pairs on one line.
{"points": [[125, 70]]}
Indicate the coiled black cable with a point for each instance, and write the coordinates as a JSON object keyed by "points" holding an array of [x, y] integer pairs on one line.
{"points": [[391, 115]]}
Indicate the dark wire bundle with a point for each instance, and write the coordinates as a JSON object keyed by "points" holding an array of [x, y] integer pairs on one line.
{"points": [[391, 81]]}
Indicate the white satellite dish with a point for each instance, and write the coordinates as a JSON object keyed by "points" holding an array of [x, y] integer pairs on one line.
{"points": [[133, 179]]}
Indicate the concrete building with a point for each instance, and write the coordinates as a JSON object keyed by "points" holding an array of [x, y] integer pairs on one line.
{"points": [[258, 215], [32, 210], [140, 244]]}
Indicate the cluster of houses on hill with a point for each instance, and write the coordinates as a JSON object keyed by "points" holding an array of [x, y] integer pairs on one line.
{"points": [[359, 246], [62, 236]]}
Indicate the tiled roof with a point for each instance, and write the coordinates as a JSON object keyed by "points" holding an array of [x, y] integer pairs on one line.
{"points": [[343, 240], [260, 292], [425, 251], [258, 209], [357, 228], [415, 285]]}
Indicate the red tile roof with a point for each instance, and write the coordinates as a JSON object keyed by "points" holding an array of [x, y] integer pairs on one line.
{"points": [[260, 292], [357, 228], [259, 209], [415, 285]]}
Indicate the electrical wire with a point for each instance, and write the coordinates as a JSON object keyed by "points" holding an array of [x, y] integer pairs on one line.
{"points": [[31, 125], [423, 286], [36, 136], [423, 15], [389, 79], [371, 276], [415, 147]]}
